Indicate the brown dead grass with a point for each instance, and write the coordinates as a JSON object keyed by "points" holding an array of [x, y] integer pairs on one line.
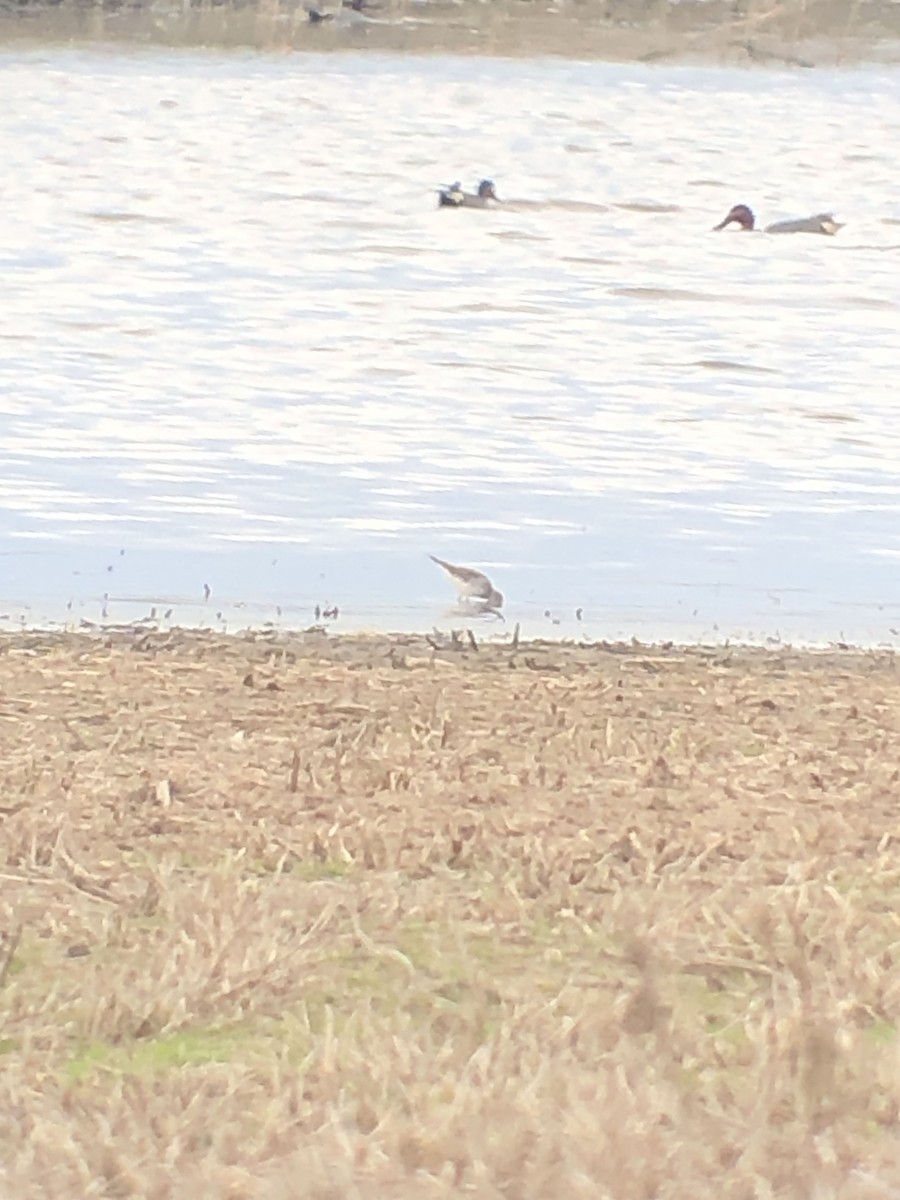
{"points": [[359, 918]]}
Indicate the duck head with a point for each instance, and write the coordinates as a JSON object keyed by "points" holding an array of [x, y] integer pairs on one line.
{"points": [[740, 215], [487, 191]]}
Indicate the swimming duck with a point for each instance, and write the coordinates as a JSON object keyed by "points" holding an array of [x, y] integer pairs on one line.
{"points": [[472, 585], [454, 196], [742, 216]]}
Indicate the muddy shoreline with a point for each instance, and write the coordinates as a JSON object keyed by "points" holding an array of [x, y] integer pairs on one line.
{"points": [[792, 35], [468, 648]]}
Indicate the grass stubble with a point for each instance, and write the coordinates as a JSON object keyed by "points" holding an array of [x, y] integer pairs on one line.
{"points": [[361, 918]]}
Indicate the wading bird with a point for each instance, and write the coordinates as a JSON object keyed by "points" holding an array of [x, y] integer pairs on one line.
{"points": [[473, 585]]}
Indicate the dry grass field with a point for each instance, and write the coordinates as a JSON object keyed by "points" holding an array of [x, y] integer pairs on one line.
{"points": [[364, 919]]}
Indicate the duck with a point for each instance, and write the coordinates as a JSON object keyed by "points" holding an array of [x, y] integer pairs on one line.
{"points": [[743, 217], [454, 196], [472, 585]]}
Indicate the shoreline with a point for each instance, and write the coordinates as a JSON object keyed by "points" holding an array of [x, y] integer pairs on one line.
{"points": [[712, 33], [462, 645]]}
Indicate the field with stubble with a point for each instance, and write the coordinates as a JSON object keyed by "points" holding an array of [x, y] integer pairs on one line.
{"points": [[374, 918]]}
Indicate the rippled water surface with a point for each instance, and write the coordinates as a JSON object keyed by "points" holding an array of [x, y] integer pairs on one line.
{"points": [[241, 347]]}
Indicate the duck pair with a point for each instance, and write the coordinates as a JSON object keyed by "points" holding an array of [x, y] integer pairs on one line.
{"points": [[741, 215], [454, 196]]}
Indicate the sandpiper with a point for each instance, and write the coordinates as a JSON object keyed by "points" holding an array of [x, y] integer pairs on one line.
{"points": [[472, 585]]}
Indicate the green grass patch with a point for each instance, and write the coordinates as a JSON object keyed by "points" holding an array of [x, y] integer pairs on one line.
{"points": [[187, 1048]]}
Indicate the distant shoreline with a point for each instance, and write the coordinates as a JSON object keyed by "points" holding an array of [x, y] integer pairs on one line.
{"points": [[474, 651], [784, 35]]}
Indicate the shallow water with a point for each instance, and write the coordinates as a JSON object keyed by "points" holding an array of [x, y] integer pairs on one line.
{"points": [[242, 348]]}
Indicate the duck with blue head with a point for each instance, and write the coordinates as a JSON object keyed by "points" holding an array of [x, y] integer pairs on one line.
{"points": [[454, 196], [742, 216]]}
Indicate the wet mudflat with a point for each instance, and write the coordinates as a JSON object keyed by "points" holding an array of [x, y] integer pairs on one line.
{"points": [[311, 916]]}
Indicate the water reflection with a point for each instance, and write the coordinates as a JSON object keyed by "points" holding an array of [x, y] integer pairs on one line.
{"points": [[242, 344]]}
